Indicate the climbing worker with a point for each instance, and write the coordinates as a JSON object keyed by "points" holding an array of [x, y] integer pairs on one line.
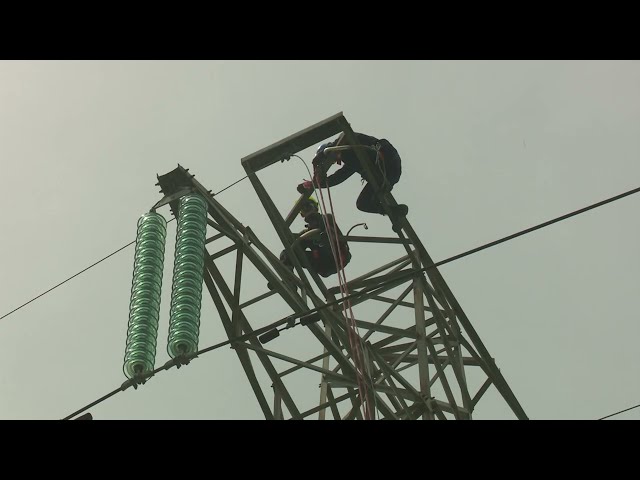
{"points": [[383, 161], [314, 241]]}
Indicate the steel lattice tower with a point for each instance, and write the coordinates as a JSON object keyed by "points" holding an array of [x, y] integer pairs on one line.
{"points": [[419, 366]]}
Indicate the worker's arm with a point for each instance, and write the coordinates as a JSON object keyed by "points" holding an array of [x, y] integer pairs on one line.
{"points": [[340, 176], [309, 235]]}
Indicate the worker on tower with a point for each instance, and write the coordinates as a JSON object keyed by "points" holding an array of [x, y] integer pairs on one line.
{"points": [[383, 161], [318, 241]]}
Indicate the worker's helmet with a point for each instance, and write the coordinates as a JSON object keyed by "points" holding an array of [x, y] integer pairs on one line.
{"points": [[309, 203], [322, 147]]}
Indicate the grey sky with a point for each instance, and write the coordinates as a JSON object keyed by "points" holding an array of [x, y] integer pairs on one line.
{"points": [[488, 148]]}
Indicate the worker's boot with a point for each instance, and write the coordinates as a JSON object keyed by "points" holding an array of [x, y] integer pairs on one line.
{"points": [[398, 214]]}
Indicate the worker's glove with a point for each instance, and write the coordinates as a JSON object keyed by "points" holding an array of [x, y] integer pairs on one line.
{"points": [[305, 187]]}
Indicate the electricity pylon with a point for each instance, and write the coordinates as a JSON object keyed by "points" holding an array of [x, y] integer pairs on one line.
{"points": [[422, 357]]}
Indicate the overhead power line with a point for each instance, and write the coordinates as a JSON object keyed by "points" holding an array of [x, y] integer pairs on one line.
{"points": [[537, 227], [65, 281], [621, 411]]}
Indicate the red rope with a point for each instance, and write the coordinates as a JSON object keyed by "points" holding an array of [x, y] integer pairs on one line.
{"points": [[357, 340], [354, 338]]}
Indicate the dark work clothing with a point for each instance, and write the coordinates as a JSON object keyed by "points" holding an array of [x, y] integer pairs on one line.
{"points": [[368, 201], [318, 250], [388, 166], [320, 259]]}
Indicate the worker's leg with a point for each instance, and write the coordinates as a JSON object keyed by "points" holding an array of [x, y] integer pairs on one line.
{"points": [[392, 172], [284, 258], [368, 201], [325, 264]]}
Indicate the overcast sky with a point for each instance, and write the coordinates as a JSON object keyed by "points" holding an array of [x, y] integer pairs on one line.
{"points": [[488, 149]]}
